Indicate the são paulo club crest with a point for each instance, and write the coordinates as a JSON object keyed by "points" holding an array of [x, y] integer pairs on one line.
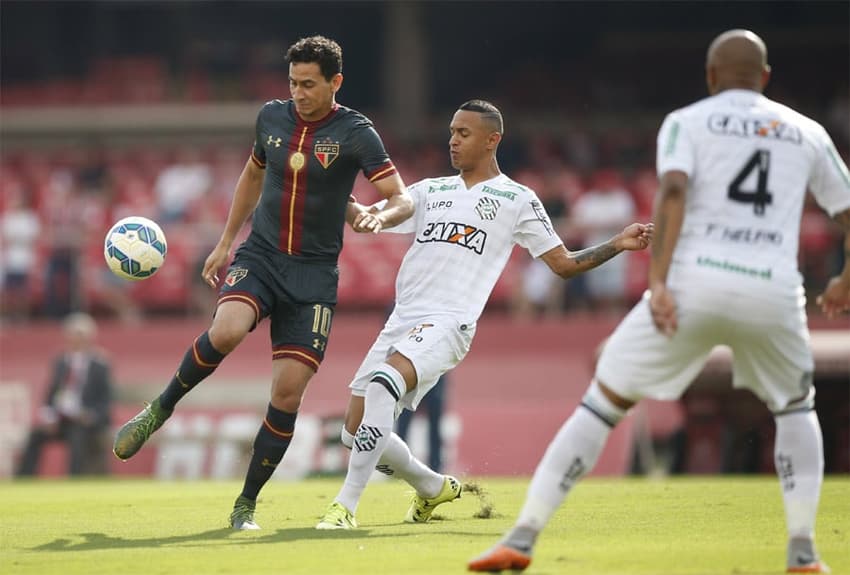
{"points": [[326, 151]]}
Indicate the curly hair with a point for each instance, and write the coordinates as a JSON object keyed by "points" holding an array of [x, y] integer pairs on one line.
{"points": [[323, 51]]}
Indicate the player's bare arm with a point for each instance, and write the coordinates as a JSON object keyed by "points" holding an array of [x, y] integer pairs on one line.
{"points": [[568, 264], [669, 211], [398, 208], [835, 298], [355, 216], [245, 198]]}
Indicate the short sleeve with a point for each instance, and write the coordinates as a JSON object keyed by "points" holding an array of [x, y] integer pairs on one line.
{"points": [[371, 154], [534, 230], [675, 151], [829, 182]]}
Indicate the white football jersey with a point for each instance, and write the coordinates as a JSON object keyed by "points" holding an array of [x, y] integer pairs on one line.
{"points": [[749, 162], [463, 239]]}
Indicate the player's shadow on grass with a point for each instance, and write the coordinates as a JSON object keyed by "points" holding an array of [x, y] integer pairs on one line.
{"points": [[98, 541]]}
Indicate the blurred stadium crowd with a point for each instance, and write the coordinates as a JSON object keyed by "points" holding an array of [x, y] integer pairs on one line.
{"points": [[593, 168], [56, 207]]}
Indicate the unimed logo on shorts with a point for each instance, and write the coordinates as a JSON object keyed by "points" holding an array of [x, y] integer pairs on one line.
{"points": [[462, 235]]}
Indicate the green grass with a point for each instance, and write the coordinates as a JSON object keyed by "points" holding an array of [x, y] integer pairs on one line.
{"points": [[705, 526]]}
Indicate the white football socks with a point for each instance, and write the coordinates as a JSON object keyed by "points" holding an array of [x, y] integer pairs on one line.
{"points": [[397, 461], [369, 443], [798, 456], [571, 454]]}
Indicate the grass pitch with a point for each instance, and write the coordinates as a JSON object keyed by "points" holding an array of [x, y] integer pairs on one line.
{"points": [[706, 526]]}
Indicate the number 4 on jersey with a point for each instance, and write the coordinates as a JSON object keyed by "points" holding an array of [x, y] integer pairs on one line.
{"points": [[760, 160]]}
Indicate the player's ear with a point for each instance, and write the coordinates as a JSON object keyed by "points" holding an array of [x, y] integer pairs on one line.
{"points": [[765, 76], [493, 140], [710, 79], [336, 83]]}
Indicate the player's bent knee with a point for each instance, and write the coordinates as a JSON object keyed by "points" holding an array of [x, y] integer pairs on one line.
{"points": [[226, 337], [798, 405], [598, 402]]}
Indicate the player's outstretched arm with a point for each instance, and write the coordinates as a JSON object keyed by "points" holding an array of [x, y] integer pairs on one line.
{"points": [[835, 298], [398, 208], [568, 264]]}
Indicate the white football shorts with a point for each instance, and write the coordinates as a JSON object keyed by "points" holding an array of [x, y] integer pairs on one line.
{"points": [[433, 344], [769, 340]]}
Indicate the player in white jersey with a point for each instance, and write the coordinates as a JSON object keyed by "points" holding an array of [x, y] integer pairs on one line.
{"points": [[733, 170], [465, 228]]}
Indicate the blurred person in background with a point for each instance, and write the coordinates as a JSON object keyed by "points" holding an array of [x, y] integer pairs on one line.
{"points": [[600, 211], [538, 290], [733, 169], [20, 230], [465, 229], [181, 184], [78, 404], [65, 235], [296, 186]]}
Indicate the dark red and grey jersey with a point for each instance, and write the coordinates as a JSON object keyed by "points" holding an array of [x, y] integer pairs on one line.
{"points": [[310, 172]]}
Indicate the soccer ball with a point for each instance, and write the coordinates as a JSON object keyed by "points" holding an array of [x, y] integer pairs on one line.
{"points": [[135, 248]]}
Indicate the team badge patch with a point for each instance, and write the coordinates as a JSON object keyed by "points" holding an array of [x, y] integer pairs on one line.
{"points": [[235, 275], [326, 152], [487, 208], [367, 437]]}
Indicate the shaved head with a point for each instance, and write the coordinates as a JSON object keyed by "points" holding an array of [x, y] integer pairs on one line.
{"points": [[737, 59]]}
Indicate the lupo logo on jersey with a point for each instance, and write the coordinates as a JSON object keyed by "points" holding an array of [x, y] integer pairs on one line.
{"points": [[462, 235]]}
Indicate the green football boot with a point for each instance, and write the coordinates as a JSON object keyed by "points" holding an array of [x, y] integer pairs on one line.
{"points": [[135, 432], [337, 517]]}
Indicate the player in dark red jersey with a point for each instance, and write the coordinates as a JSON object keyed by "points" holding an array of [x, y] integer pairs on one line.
{"points": [[297, 184]]}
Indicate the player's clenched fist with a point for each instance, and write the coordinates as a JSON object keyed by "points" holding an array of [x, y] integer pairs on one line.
{"points": [[635, 237]]}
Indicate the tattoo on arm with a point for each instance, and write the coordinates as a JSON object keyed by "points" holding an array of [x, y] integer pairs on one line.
{"points": [[596, 255]]}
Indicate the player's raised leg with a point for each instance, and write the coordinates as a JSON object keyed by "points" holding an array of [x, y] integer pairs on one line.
{"points": [[232, 322]]}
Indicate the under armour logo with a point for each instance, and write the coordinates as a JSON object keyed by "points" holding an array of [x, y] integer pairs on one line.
{"points": [[319, 344], [266, 463], [367, 437], [276, 142], [385, 469]]}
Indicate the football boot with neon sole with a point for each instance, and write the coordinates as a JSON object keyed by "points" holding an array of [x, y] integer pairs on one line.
{"points": [[421, 509], [133, 435]]}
